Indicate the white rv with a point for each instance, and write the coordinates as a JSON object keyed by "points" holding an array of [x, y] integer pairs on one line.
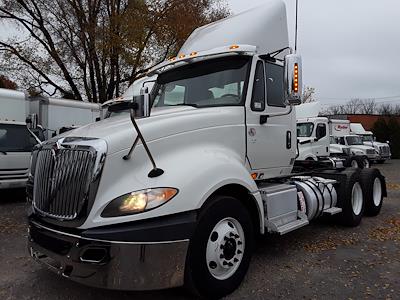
{"points": [[173, 190], [16, 140], [368, 138]]}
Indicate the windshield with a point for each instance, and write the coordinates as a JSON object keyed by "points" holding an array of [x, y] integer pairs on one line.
{"points": [[305, 129], [16, 138], [367, 138], [217, 82], [354, 140]]}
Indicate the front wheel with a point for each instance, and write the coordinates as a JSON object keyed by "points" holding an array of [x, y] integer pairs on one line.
{"points": [[220, 250]]}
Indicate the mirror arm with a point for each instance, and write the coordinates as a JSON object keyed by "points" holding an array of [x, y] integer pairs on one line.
{"points": [[155, 172]]}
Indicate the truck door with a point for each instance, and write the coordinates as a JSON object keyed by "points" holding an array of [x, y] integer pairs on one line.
{"points": [[322, 140], [271, 136]]}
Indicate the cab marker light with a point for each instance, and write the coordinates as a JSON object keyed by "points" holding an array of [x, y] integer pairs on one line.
{"points": [[181, 56], [194, 53], [234, 47]]}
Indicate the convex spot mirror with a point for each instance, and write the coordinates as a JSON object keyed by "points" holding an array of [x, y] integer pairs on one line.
{"points": [[293, 79]]}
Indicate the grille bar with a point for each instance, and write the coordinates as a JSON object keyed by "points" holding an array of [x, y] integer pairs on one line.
{"points": [[62, 181]]}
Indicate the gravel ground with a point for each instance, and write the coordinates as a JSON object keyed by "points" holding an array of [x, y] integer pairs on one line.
{"points": [[320, 261]]}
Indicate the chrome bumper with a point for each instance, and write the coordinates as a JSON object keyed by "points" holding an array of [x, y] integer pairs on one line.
{"points": [[109, 264]]}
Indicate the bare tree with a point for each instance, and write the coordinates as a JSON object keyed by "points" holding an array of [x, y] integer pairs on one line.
{"points": [[368, 106], [90, 49], [353, 106], [308, 94], [385, 109]]}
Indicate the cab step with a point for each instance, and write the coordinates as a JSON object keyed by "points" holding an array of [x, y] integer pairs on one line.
{"points": [[333, 211]]}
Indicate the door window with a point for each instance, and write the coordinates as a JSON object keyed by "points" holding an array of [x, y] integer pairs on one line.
{"points": [[320, 132], [258, 96], [275, 88]]}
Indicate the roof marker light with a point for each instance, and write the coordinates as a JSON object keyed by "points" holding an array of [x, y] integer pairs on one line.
{"points": [[172, 58], [181, 56], [234, 47], [194, 53]]}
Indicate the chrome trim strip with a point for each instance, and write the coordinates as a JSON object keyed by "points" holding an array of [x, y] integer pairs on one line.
{"points": [[106, 241]]}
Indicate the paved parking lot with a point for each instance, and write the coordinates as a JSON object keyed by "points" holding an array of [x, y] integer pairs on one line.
{"points": [[320, 261]]}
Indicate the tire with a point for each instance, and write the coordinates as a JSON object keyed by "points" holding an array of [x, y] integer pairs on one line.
{"points": [[214, 231], [372, 185], [350, 198], [356, 162]]}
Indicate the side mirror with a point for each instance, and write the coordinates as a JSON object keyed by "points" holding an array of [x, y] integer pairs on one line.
{"points": [[293, 79], [143, 104], [32, 121]]}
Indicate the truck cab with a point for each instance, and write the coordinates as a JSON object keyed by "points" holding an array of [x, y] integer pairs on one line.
{"points": [[16, 144], [173, 188], [369, 140], [313, 137]]}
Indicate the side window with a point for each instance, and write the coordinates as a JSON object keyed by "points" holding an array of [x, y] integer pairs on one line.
{"points": [[320, 131], [341, 141], [275, 88], [258, 96], [174, 95]]}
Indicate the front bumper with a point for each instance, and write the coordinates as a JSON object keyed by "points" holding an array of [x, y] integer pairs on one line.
{"points": [[13, 183], [120, 265]]}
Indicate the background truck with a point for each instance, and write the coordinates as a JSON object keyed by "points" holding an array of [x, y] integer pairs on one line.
{"points": [[368, 138], [16, 140], [314, 138], [175, 187], [55, 114], [342, 137]]}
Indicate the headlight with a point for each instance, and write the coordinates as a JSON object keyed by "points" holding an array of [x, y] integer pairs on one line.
{"points": [[137, 202]]}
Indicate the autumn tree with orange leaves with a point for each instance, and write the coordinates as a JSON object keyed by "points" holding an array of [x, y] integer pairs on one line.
{"points": [[92, 49]]}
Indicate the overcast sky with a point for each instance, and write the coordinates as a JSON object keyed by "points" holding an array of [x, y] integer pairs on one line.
{"points": [[350, 48]]}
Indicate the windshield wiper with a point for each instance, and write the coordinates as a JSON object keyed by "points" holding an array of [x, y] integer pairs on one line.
{"points": [[4, 152]]}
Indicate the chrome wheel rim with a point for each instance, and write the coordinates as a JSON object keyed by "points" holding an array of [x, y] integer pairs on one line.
{"points": [[225, 248], [356, 198], [354, 164], [377, 191]]}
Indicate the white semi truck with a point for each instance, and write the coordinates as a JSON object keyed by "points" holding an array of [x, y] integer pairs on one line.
{"points": [[341, 137], [175, 187], [16, 140], [368, 138], [314, 140]]}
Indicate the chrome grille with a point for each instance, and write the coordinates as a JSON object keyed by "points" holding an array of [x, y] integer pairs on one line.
{"points": [[370, 151], [61, 181], [384, 150]]}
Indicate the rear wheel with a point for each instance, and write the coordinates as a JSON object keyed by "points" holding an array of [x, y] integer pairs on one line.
{"points": [[220, 250], [357, 162], [350, 199], [372, 186]]}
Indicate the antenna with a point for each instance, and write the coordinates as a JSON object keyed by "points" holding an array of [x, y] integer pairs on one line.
{"points": [[295, 33]]}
